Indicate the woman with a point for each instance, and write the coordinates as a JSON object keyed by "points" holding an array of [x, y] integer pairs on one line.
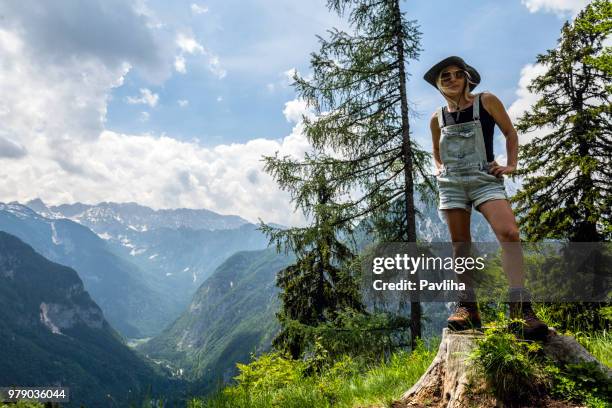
{"points": [[467, 175]]}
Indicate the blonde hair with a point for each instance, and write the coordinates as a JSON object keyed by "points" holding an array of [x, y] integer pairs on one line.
{"points": [[467, 94]]}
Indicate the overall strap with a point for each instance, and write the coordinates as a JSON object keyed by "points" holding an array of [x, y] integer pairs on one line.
{"points": [[440, 116], [476, 108]]}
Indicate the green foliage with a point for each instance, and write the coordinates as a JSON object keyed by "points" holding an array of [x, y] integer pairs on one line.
{"points": [[367, 336], [92, 361], [269, 371], [580, 382], [568, 269], [364, 162], [510, 366], [23, 404], [597, 342], [576, 317], [239, 319], [518, 371], [566, 190], [345, 382], [321, 283]]}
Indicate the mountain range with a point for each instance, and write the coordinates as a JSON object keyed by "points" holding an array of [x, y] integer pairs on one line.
{"points": [[131, 304], [175, 249], [231, 316], [54, 334], [201, 284]]}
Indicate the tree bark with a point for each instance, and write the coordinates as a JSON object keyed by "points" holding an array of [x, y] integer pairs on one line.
{"points": [[415, 306], [451, 382]]}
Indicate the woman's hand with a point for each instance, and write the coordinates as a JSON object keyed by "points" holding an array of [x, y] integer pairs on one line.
{"points": [[498, 171]]}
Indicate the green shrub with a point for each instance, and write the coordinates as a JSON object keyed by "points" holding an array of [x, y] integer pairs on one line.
{"points": [[273, 380], [579, 382], [510, 366], [23, 404], [269, 371]]}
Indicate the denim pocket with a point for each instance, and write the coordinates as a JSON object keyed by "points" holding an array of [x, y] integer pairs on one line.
{"points": [[459, 143]]}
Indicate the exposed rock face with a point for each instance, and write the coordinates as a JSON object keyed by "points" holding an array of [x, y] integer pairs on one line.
{"points": [[451, 382], [58, 316], [52, 332], [130, 302]]}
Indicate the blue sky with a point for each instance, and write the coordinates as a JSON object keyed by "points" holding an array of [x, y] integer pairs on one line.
{"points": [[173, 104], [257, 42]]}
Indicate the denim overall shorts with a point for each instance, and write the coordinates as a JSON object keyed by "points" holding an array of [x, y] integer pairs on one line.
{"points": [[464, 179]]}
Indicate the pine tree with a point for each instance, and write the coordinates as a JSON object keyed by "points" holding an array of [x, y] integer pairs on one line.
{"points": [[361, 129], [567, 189], [566, 193], [319, 285]]}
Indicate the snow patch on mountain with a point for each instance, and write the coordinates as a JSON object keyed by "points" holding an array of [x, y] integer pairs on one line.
{"points": [[54, 236]]}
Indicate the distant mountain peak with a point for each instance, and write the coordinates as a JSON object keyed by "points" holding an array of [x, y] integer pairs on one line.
{"points": [[19, 210], [107, 215]]}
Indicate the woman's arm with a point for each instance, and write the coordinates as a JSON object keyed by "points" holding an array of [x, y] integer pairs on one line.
{"points": [[496, 109], [435, 141]]}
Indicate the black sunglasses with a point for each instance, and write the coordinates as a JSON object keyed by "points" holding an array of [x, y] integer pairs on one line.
{"points": [[447, 76]]}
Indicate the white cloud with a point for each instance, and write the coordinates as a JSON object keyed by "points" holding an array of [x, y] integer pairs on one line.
{"points": [[146, 98], [32, 88], [188, 44], [182, 102], [197, 9], [56, 80], [527, 99], [295, 109], [179, 64], [289, 74], [284, 80], [160, 172], [109, 32], [559, 7], [53, 128], [214, 65]]}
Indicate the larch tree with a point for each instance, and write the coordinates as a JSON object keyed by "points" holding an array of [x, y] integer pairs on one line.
{"points": [[361, 128]]}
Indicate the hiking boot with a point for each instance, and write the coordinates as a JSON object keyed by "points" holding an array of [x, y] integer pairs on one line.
{"points": [[520, 308], [465, 317]]}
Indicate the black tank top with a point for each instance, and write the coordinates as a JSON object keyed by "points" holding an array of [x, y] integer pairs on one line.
{"points": [[466, 115]]}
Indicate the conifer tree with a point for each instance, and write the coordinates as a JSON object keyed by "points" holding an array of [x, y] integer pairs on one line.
{"points": [[566, 191], [319, 285], [361, 129]]}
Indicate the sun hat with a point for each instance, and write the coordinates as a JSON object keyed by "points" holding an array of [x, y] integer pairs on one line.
{"points": [[431, 75]]}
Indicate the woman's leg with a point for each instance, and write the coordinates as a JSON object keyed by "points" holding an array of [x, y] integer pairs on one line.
{"points": [[501, 218], [466, 314], [458, 221]]}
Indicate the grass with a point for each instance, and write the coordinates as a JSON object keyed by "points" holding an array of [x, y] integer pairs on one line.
{"points": [[346, 383], [510, 366], [519, 370], [599, 345]]}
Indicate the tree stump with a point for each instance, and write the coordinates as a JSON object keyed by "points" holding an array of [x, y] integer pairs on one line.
{"points": [[452, 382]]}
